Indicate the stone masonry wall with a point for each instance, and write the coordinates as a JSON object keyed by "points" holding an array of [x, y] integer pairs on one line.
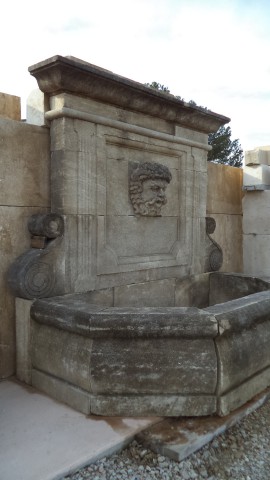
{"points": [[24, 190], [224, 204], [256, 208]]}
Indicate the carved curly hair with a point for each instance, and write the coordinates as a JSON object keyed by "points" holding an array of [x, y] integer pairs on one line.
{"points": [[140, 173]]}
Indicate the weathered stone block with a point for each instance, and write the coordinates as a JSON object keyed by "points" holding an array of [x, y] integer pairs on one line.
{"points": [[174, 366], [192, 291], [257, 176], [104, 298], [224, 190], [80, 250], [74, 191], [256, 254], [243, 393], [35, 108], [225, 287], [148, 405], [151, 322], [62, 354], [148, 294], [24, 164], [249, 350], [14, 240], [131, 239], [256, 213], [23, 340], [10, 106], [83, 104], [62, 391], [258, 156]]}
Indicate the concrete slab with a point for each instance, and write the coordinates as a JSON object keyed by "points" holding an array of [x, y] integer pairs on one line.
{"points": [[46, 440], [177, 438]]}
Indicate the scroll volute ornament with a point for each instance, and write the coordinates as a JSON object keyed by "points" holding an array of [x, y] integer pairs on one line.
{"points": [[214, 254], [34, 273]]}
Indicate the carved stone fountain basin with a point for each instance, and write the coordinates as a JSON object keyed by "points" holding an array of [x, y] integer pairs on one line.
{"points": [[205, 353]]}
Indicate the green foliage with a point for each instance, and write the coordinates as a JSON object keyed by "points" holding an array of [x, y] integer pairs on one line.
{"points": [[224, 150], [157, 86]]}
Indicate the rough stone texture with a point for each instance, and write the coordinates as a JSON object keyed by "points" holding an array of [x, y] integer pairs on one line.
{"points": [[163, 366], [248, 350], [75, 314], [192, 135], [63, 355], [256, 175], [243, 342], [35, 108], [243, 393], [10, 106], [24, 164], [224, 204], [119, 114], [14, 240], [62, 391], [256, 254], [226, 287], [149, 405], [193, 291], [258, 156], [256, 213], [23, 340], [241, 313], [148, 294], [126, 357], [224, 191]]}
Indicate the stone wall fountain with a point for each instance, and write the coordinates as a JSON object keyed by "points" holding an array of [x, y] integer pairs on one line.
{"points": [[129, 315]]}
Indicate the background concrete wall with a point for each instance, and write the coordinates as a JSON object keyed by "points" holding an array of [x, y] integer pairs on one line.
{"points": [[256, 212], [224, 204], [24, 190]]}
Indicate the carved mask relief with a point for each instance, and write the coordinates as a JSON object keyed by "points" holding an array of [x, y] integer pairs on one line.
{"points": [[147, 185]]}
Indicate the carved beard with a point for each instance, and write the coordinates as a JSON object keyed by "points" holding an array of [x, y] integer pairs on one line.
{"points": [[152, 208]]}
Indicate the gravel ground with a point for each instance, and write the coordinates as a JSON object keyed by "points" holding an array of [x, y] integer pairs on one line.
{"points": [[241, 453]]}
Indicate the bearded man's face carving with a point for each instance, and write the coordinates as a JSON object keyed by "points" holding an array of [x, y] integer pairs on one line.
{"points": [[148, 182]]}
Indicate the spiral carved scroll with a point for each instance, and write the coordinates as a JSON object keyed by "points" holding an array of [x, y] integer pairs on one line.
{"points": [[215, 254], [39, 280], [35, 274]]}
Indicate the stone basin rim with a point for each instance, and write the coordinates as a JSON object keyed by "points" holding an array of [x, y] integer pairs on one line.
{"points": [[153, 322]]}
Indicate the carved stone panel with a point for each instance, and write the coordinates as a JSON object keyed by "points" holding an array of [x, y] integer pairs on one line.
{"points": [[150, 235]]}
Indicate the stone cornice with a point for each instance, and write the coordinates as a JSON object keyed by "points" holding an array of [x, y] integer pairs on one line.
{"points": [[68, 74]]}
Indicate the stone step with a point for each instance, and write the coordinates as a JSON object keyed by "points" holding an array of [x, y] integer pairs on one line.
{"points": [[177, 438]]}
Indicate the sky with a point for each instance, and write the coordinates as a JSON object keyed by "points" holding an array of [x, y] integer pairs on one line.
{"points": [[215, 52]]}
